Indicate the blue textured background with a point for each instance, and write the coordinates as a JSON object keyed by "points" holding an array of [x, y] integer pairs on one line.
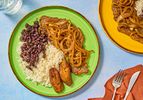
{"points": [[112, 57]]}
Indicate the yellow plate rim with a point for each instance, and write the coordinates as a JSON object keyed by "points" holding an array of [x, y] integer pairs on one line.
{"points": [[107, 33]]}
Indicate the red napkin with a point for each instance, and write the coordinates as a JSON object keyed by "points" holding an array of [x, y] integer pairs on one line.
{"points": [[95, 99], [136, 92]]}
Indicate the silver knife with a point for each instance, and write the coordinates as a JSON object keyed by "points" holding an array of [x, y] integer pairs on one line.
{"points": [[131, 83]]}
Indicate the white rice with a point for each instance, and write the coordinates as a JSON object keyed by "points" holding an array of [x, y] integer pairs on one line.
{"points": [[139, 7], [40, 74]]}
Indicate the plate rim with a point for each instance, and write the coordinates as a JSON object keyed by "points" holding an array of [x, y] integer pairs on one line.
{"points": [[10, 39], [109, 36]]}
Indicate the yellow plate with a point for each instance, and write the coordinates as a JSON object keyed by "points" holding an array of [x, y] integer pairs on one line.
{"points": [[110, 27]]}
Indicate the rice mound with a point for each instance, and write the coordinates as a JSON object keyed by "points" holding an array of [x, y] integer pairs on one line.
{"points": [[40, 74]]}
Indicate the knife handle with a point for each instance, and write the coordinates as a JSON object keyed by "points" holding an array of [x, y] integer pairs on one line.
{"points": [[127, 93], [131, 83]]}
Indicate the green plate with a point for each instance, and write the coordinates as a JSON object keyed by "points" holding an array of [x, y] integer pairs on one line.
{"points": [[91, 43]]}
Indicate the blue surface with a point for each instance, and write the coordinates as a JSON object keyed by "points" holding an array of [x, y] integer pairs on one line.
{"points": [[112, 57]]}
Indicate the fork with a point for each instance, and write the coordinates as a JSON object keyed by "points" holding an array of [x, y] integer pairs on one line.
{"points": [[117, 81]]}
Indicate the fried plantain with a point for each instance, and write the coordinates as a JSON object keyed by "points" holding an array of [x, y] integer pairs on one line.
{"points": [[56, 80], [65, 73]]}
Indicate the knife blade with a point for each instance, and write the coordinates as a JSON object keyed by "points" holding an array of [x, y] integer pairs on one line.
{"points": [[131, 83]]}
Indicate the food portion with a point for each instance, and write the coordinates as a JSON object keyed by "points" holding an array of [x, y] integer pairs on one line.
{"points": [[65, 72], [139, 7], [33, 44], [51, 49], [68, 38], [55, 80], [80, 70], [129, 16], [38, 55]]}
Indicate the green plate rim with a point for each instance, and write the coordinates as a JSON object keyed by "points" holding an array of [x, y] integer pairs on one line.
{"points": [[60, 7]]}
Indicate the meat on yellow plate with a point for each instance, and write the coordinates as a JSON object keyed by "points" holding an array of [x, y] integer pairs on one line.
{"points": [[56, 80], [65, 73]]}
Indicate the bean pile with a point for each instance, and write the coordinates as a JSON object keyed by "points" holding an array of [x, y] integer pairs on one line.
{"points": [[34, 44]]}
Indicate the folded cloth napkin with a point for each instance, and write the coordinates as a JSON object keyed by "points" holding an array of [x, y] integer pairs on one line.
{"points": [[136, 92], [95, 99]]}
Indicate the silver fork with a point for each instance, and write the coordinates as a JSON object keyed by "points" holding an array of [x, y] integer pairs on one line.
{"points": [[117, 81]]}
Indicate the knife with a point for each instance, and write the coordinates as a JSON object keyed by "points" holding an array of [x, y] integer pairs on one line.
{"points": [[131, 83]]}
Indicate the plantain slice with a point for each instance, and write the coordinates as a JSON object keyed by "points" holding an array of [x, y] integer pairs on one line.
{"points": [[65, 73], [55, 80]]}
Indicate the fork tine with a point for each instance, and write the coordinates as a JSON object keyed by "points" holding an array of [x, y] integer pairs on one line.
{"points": [[121, 76], [118, 75], [117, 81]]}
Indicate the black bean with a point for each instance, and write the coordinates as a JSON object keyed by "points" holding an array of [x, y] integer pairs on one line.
{"points": [[27, 25], [36, 23], [36, 26], [34, 44], [29, 67], [23, 31]]}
